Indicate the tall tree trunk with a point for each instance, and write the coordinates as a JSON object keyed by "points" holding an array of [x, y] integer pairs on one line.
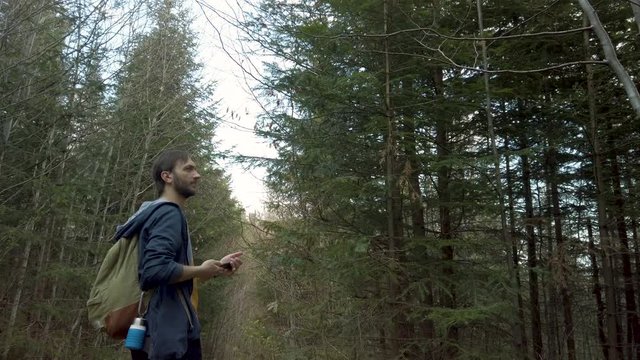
{"points": [[413, 169], [562, 262], [24, 92], [636, 249], [403, 331], [516, 257], [39, 176], [519, 338], [633, 203], [597, 293], [532, 260], [613, 336], [43, 263], [22, 270], [631, 315], [54, 294], [96, 209], [550, 297], [446, 230], [143, 164]]}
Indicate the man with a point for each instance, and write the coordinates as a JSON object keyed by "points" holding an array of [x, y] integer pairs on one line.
{"points": [[166, 262]]}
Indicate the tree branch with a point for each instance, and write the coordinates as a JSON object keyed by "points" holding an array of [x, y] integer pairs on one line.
{"points": [[509, 71], [611, 56], [430, 31], [468, 38]]}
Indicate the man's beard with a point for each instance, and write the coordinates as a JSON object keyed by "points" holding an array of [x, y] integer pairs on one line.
{"points": [[183, 188]]}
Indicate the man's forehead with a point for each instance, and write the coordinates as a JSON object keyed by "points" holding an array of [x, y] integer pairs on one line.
{"points": [[187, 163]]}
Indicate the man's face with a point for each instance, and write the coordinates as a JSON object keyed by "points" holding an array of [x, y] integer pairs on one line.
{"points": [[185, 178]]}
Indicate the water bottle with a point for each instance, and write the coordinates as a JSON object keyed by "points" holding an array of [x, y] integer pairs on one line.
{"points": [[135, 336]]}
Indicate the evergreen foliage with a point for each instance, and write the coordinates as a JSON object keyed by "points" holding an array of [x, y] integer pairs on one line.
{"points": [[80, 131], [427, 202], [389, 241]]}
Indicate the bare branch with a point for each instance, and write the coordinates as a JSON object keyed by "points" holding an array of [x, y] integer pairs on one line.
{"points": [[430, 31], [510, 71], [611, 56]]}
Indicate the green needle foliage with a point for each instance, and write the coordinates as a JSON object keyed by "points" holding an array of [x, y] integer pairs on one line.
{"points": [[401, 232], [84, 110]]}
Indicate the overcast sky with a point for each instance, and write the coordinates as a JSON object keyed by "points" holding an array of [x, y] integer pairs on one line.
{"points": [[236, 132]]}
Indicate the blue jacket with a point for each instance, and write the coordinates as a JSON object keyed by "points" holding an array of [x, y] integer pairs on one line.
{"points": [[164, 248]]}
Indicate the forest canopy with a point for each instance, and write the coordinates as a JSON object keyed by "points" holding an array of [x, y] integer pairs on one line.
{"points": [[454, 179]]}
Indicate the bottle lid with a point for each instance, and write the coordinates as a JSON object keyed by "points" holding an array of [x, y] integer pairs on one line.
{"points": [[139, 321]]}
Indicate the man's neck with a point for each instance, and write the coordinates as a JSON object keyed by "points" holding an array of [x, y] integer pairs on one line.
{"points": [[172, 196]]}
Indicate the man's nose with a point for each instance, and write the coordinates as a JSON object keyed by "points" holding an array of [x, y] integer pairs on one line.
{"points": [[196, 175]]}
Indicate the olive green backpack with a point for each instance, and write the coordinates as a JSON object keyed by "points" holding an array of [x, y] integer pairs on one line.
{"points": [[115, 297]]}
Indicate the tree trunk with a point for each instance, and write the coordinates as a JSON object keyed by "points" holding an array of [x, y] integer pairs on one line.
{"points": [[54, 294], [562, 262], [550, 297], [22, 270], [613, 336], [413, 170], [519, 338], [636, 248], [597, 293], [516, 257], [403, 329], [631, 315], [43, 262], [24, 92], [446, 231], [40, 175], [532, 260], [143, 163]]}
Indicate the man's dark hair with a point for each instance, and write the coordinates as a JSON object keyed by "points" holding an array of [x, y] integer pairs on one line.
{"points": [[166, 161]]}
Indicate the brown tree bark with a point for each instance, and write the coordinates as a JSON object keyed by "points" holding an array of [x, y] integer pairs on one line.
{"points": [[40, 172], [613, 335], [24, 266], [597, 292], [631, 315], [403, 329], [412, 170], [448, 299], [563, 285], [517, 324], [516, 259], [532, 259], [550, 296]]}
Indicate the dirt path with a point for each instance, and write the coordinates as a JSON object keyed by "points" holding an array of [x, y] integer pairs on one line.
{"points": [[232, 336]]}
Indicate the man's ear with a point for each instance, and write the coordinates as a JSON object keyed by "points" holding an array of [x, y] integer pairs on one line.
{"points": [[167, 177]]}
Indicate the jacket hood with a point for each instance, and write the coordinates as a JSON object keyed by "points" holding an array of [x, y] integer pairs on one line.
{"points": [[137, 220]]}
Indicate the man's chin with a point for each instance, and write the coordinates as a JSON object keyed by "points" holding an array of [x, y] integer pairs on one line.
{"points": [[187, 193]]}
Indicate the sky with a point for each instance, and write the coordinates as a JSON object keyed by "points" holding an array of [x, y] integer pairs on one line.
{"points": [[238, 108]]}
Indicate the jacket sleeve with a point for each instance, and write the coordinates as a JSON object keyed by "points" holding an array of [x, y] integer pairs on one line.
{"points": [[161, 244]]}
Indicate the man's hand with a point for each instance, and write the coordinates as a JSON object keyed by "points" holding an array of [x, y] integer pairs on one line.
{"points": [[209, 269], [233, 261], [204, 271]]}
